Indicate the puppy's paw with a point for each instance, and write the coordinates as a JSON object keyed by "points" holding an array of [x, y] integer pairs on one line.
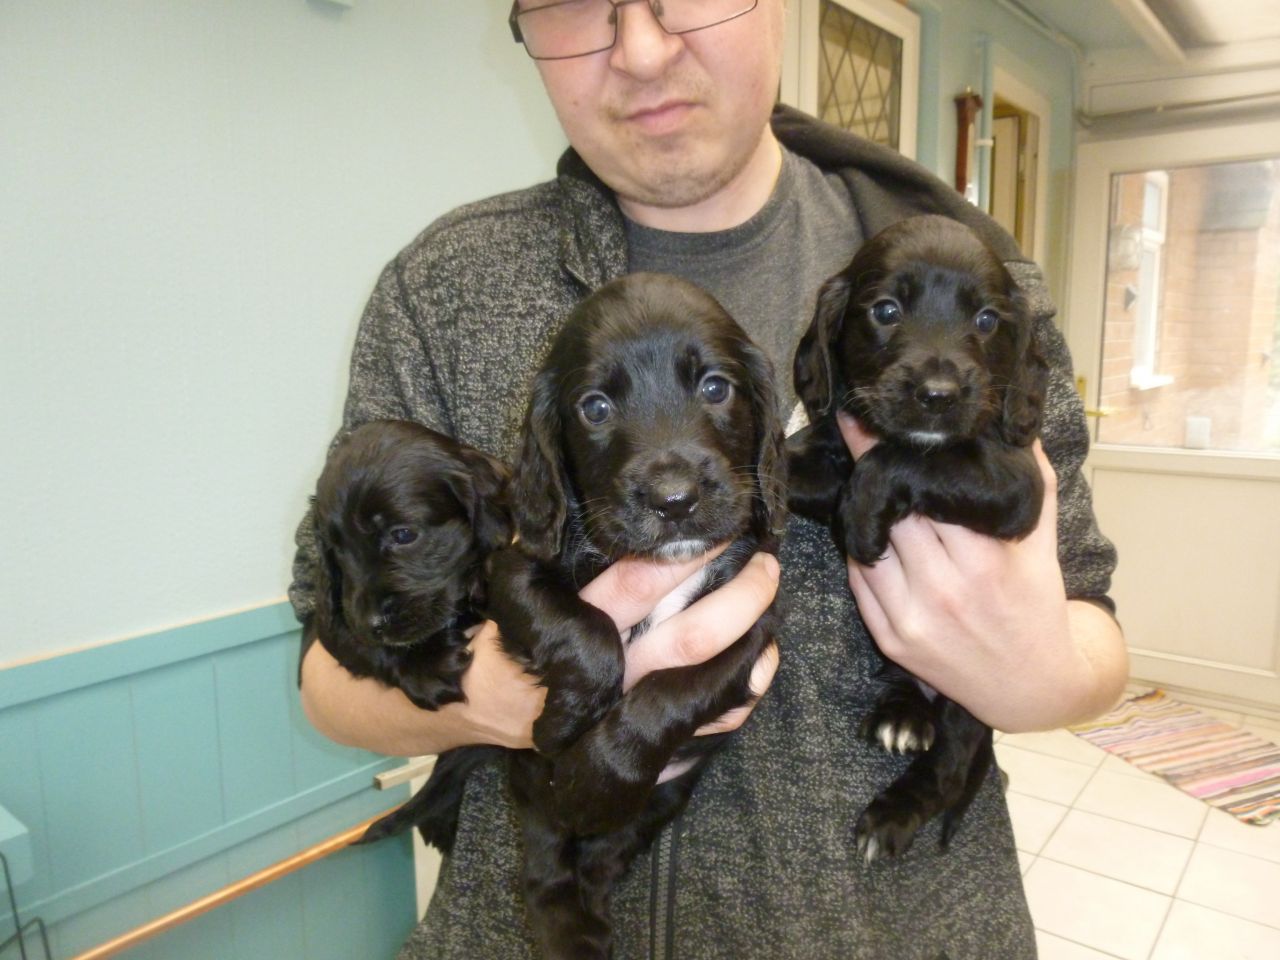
{"points": [[885, 829], [865, 544], [432, 693], [899, 727], [430, 674]]}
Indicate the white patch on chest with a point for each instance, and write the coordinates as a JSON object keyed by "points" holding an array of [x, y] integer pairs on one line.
{"points": [[675, 601], [927, 437], [798, 420]]}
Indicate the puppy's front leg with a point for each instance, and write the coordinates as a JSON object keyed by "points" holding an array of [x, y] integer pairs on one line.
{"points": [[876, 497], [987, 486], [605, 779], [818, 464], [572, 647], [430, 673]]}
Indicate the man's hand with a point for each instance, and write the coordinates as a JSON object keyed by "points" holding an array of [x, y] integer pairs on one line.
{"points": [[987, 621]]}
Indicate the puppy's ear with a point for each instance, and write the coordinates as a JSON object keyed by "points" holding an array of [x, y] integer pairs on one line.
{"points": [[1023, 407], [540, 485], [328, 613], [770, 507], [483, 491], [813, 370]]}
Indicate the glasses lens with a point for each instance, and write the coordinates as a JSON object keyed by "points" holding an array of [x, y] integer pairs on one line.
{"points": [[685, 16], [566, 28], [573, 28]]}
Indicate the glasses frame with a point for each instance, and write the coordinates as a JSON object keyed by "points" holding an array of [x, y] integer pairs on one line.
{"points": [[513, 20]]}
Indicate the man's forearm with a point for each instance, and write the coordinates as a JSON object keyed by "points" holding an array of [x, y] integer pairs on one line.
{"points": [[501, 703], [1090, 684], [1100, 641]]}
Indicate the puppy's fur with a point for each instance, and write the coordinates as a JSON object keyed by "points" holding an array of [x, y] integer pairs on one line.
{"points": [[652, 431], [405, 518], [927, 340]]}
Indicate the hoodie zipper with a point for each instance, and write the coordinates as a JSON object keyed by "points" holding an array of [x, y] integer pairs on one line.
{"points": [[662, 895]]}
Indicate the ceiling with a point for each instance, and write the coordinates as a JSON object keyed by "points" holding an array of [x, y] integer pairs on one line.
{"points": [[1202, 23], [1170, 28]]}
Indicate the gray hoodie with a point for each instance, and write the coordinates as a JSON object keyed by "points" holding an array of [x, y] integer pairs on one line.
{"points": [[762, 864]]}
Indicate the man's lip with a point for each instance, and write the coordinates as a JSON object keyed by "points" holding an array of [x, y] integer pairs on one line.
{"points": [[659, 115], [655, 108]]}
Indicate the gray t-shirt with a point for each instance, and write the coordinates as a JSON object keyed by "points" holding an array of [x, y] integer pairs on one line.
{"points": [[810, 216]]}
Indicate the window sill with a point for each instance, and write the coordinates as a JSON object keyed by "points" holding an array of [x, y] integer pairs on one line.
{"points": [[1143, 380]]}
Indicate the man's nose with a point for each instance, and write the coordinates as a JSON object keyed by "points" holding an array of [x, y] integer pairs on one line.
{"points": [[642, 48]]}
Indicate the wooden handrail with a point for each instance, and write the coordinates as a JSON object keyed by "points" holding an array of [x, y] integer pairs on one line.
{"points": [[230, 892]]}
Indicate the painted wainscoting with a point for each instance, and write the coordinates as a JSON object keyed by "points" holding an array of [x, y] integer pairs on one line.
{"points": [[153, 771]]}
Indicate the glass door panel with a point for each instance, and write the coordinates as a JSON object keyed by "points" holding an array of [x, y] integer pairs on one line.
{"points": [[1191, 326]]}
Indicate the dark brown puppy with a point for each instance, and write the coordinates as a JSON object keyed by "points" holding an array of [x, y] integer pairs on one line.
{"points": [[405, 518], [652, 431], [926, 339]]}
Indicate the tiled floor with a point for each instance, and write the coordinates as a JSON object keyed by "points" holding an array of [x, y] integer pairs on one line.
{"points": [[1120, 864]]}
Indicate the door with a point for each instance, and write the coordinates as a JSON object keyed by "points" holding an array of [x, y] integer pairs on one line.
{"points": [[855, 63], [1020, 161], [1174, 324]]}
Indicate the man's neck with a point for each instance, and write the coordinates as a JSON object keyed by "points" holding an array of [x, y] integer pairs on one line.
{"points": [[736, 202]]}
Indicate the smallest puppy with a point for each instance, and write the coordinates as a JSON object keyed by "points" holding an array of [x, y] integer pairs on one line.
{"points": [[404, 519], [926, 339]]}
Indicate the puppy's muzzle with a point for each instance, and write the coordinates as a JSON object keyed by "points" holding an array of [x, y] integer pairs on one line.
{"points": [[937, 394], [672, 495]]}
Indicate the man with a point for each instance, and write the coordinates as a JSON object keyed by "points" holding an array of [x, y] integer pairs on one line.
{"points": [[676, 166]]}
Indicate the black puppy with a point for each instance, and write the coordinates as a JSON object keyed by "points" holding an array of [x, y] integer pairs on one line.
{"points": [[652, 431], [926, 339], [404, 520]]}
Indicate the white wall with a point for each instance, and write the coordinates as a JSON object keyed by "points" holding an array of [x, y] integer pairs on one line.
{"points": [[195, 199]]}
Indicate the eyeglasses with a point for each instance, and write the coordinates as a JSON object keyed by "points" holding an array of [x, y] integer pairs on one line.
{"points": [[562, 29]]}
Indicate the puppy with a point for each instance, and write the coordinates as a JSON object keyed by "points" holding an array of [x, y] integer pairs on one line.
{"points": [[652, 431], [926, 339], [404, 520]]}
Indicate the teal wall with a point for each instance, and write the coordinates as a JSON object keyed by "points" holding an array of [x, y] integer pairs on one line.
{"points": [[196, 199], [154, 771]]}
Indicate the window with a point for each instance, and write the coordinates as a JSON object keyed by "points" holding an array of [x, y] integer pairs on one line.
{"points": [[1143, 374], [1191, 323], [855, 63]]}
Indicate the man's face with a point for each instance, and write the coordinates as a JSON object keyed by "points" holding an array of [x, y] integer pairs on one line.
{"points": [[668, 121]]}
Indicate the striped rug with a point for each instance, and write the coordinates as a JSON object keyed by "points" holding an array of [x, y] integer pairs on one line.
{"points": [[1208, 758]]}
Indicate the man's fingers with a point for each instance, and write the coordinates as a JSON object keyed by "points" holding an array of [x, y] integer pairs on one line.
{"points": [[761, 677], [629, 589], [701, 630], [1048, 526]]}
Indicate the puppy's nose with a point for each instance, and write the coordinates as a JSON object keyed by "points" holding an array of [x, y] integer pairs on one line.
{"points": [[937, 394], [379, 619], [673, 498]]}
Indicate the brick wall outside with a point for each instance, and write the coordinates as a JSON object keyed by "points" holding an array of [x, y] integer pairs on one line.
{"points": [[1218, 325]]}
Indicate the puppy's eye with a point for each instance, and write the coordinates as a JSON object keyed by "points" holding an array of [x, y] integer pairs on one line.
{"points": [[715, 389], [886, 312], [596, 409], [403, 536], [987, 320]]}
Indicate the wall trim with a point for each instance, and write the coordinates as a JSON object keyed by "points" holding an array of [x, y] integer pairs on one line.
{"points": [[123, 880], [36, 680]]}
